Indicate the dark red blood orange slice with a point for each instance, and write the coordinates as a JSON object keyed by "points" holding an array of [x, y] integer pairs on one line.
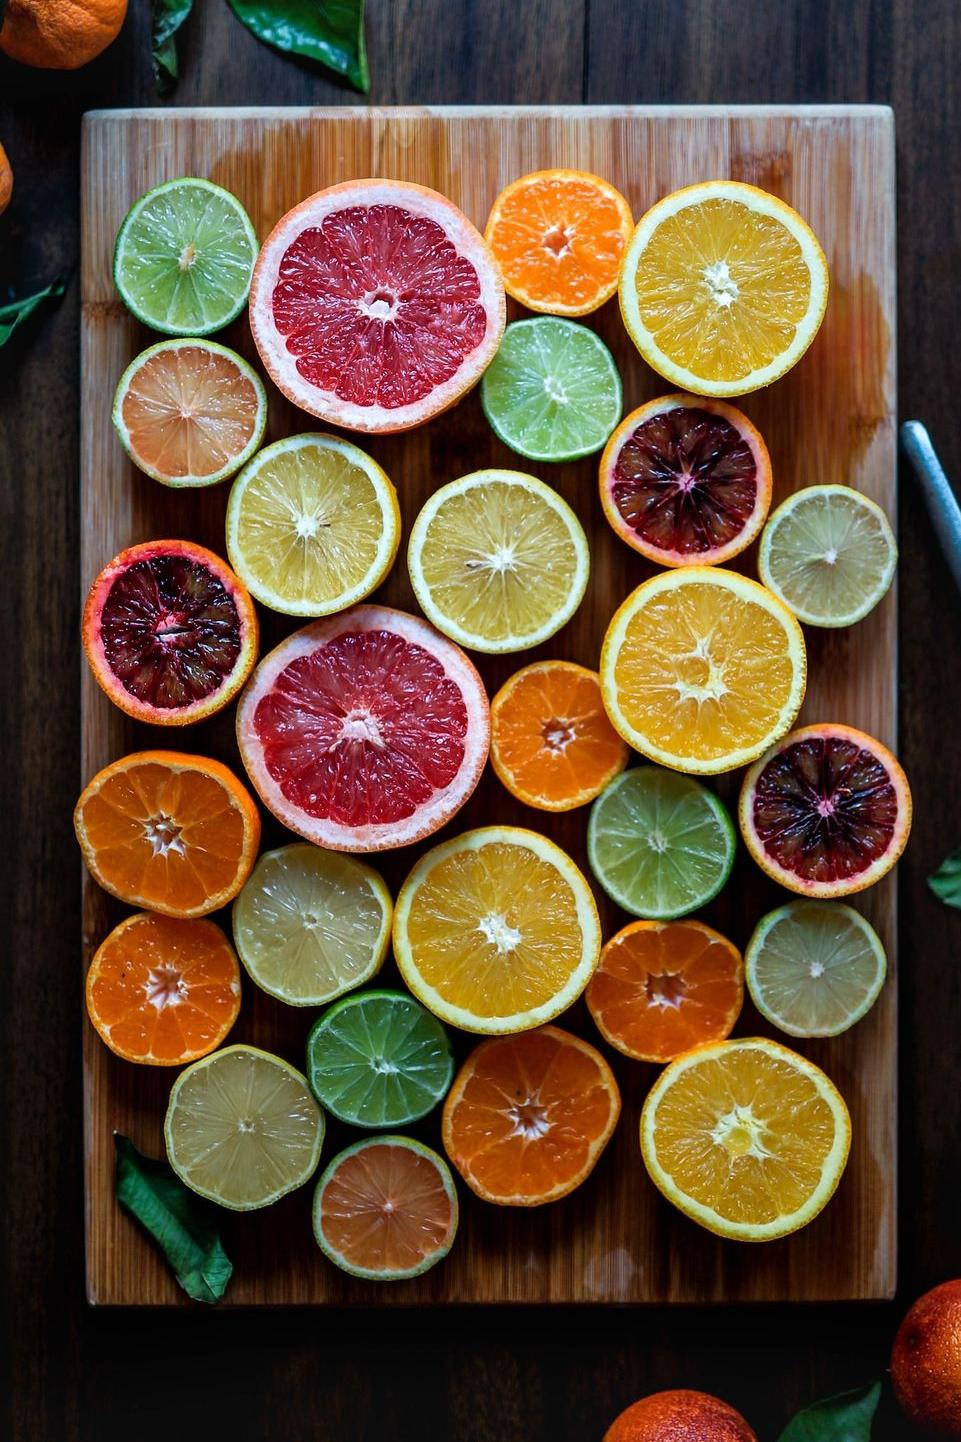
{"points": [[376, 304], [826, 811], [686, 481], [365, 731], [170, 632]]}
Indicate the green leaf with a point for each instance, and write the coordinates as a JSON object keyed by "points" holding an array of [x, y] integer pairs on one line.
{"points": [[17, 311], [167, 16], [330, 31], [946, 881], [844, 1418], [176, 1218]]}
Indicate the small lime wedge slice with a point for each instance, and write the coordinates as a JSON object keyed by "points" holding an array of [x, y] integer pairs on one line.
{"points": [[184, 257], [379, 1059], [814, 968], [552, 391], [659, 843]]}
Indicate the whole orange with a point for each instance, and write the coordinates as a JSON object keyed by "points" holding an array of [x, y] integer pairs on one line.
{"points": [[59, 34], [6, 180], [680, 1416], [926, 1360]]}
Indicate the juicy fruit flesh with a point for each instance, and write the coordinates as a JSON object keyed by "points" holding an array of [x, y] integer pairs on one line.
{"points": [[379, 1061], [685, 481], [560, 239], [825, 808], [189, 411], [170, 631], [364, 730], [385, 1209], [829, 555], [722, 288], [377, 306], [816, 967]]}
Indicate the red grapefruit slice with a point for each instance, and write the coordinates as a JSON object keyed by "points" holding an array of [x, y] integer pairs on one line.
{"points": [[170, 632], [376, 304], [826, 811], [365, 731], [686, 481]]}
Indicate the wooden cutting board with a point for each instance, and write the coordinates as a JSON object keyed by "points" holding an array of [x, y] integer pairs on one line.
{"points": [[831, 419]]}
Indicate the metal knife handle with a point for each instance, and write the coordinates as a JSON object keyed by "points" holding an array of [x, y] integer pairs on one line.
{"points": [[942, 506]]}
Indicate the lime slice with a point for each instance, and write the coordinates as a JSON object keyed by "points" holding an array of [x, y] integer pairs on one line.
{"points": [[552, 391], [829, 554], [379, 1059], [184, 257], [814, 968], [243, 1128], [659, 843], [313, 525], [311, 924]]}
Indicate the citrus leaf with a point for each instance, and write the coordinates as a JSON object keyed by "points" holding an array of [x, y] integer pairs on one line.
{"points": [[167, 18], [17, 311], [946, 881], [844, 1418], [177, 1220], [329, 31]]}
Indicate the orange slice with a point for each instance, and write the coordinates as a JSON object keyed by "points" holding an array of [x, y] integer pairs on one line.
{"points": [[559, 237], [662, 987], [528, 1116], [551, 742], [169, 832], [163, 991]]}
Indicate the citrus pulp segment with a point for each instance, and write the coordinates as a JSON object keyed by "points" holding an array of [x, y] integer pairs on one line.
{"points": [[184, 257], [723, 287], [313, 525], [168, 832], [659, 843], [826, 811], [498, 560], [558, 237], [364, 731], [551, 742], [170, 632], [386, 1209], [528, 1116], [745, 1137], [311, 924], [496, 930], [376, 304], [829, 553], [189, 412], [163, 991], [662, 987], [552, 391], [814, 968], [686, 481], [702, 669], [379, 1059], [242, 1128]]}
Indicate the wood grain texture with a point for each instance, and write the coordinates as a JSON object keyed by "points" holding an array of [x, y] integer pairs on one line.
{"points": [[831, 418]]}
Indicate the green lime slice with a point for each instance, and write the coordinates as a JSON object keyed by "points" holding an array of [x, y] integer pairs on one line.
{"points": [[552, 391], [659, 843], [379, 1059], [184, 257], [814, 968]]}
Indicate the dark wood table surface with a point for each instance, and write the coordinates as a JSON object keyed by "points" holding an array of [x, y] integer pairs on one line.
{"points": [[529, 1375]]}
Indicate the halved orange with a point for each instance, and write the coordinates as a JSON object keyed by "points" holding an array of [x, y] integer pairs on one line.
{"points": [[168, 832], [551, 742], [559, 237], [662, 987], [529, 1115], [163, 991]]}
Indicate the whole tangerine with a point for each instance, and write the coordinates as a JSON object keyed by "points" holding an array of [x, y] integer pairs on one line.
{"points": [[59, 34], [680, 1416], [926, 1361], [6, 180]]}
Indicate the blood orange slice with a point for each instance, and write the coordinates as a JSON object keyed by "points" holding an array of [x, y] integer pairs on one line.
{"points": [[827, 811], [376, 304], [686, 481], [365, 731], [170, 632]]}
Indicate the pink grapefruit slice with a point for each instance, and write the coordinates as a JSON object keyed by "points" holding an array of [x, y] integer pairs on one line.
{"points": [[376, 304], [365, 731]]}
